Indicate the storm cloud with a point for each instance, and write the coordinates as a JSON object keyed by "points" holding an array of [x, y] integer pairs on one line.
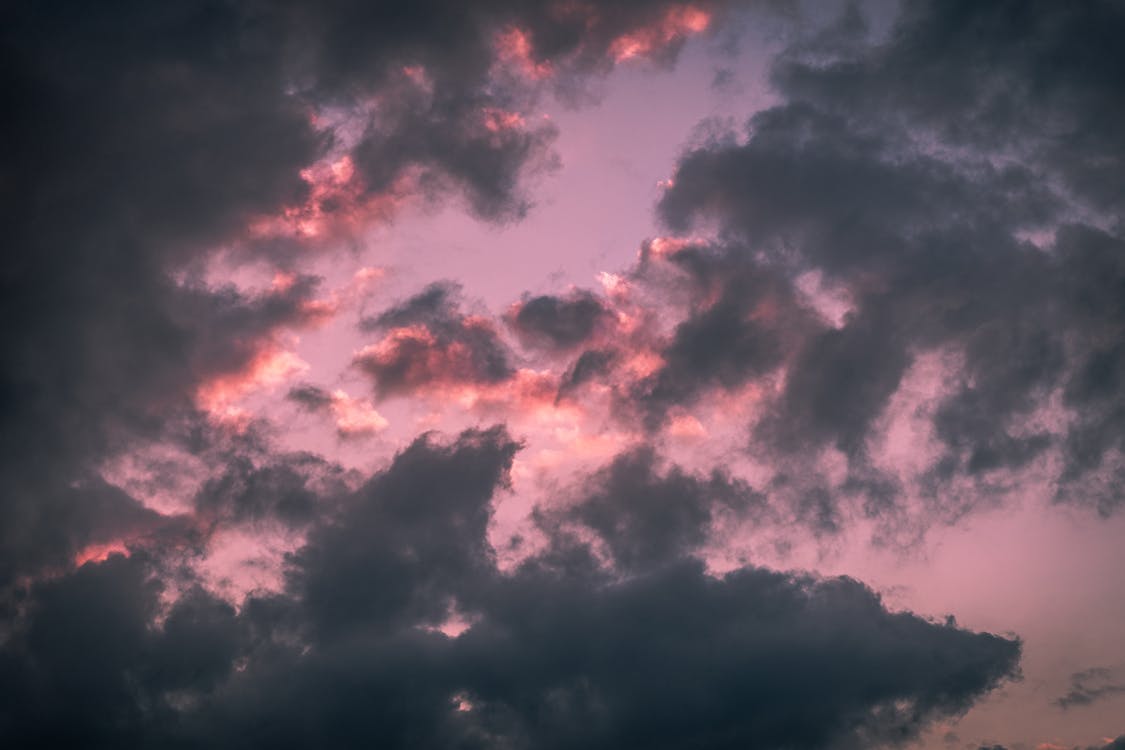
{"points": [[558, 653]]}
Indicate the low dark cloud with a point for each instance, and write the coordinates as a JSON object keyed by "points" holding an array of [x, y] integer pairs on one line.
{"points": [[558, 653], [410, 542], [85, 666], [1115, 744], [648, 515], [95, 383]]}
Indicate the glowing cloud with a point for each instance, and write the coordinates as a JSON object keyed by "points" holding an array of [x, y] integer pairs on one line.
{"points": [[677, 23]]}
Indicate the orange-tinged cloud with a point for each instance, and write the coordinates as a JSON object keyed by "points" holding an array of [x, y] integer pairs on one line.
{"points": [[665, 247], [497, 120], [269, 367], [685, 425], [515, 51], [677, 24], [337, 205], [614, 284], [97, 553], [355, 417]]}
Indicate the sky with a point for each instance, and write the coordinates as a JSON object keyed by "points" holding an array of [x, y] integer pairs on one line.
{"points": [[563, 374]]}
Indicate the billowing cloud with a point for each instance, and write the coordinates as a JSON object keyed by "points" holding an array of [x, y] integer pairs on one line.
{"points": [[893, 296], [209, 127], [558, 653], [647, 517], [931, 244]]}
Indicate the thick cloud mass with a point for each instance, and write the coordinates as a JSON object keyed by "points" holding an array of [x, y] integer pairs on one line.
{"points": [[911, 175], [559, 653], [957, 186]]}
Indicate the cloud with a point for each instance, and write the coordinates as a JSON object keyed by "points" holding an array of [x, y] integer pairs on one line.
{"points": [[647, 517], [1089, 686], [1109, 744], [410, 541], [429, 343], [206, 128], [354, 418], [1034, 82], [589, 365], [288, 488], [559, 323], [558, 653], [74, 674], [949, 219], [144, 139], [740, 326], [143, 363]]}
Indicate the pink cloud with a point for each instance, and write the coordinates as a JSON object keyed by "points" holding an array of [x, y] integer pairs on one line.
{"points": [[355, 417], [269, 367], [97, 553], [337, 205], [514, 51], [677, 23]]}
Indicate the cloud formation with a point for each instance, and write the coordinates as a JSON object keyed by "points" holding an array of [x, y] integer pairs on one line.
{"points": [[920, 201], [428, 343], [560, 653], [949, 192]]}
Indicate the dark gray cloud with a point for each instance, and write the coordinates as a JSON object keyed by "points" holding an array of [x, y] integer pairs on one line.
{"points": [[97, 379], [1116, 744], [1033, 81], [648, 517], [755, 658], [410, 542], [85, 665], [911, 172], [292, 488], [742, 325], [310, 397], [559, 323], [558, 653], [1089, 686], [838, 385], [429, 342]]}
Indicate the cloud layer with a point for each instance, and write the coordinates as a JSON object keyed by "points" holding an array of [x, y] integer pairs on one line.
{"points": [[894, 297]]}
